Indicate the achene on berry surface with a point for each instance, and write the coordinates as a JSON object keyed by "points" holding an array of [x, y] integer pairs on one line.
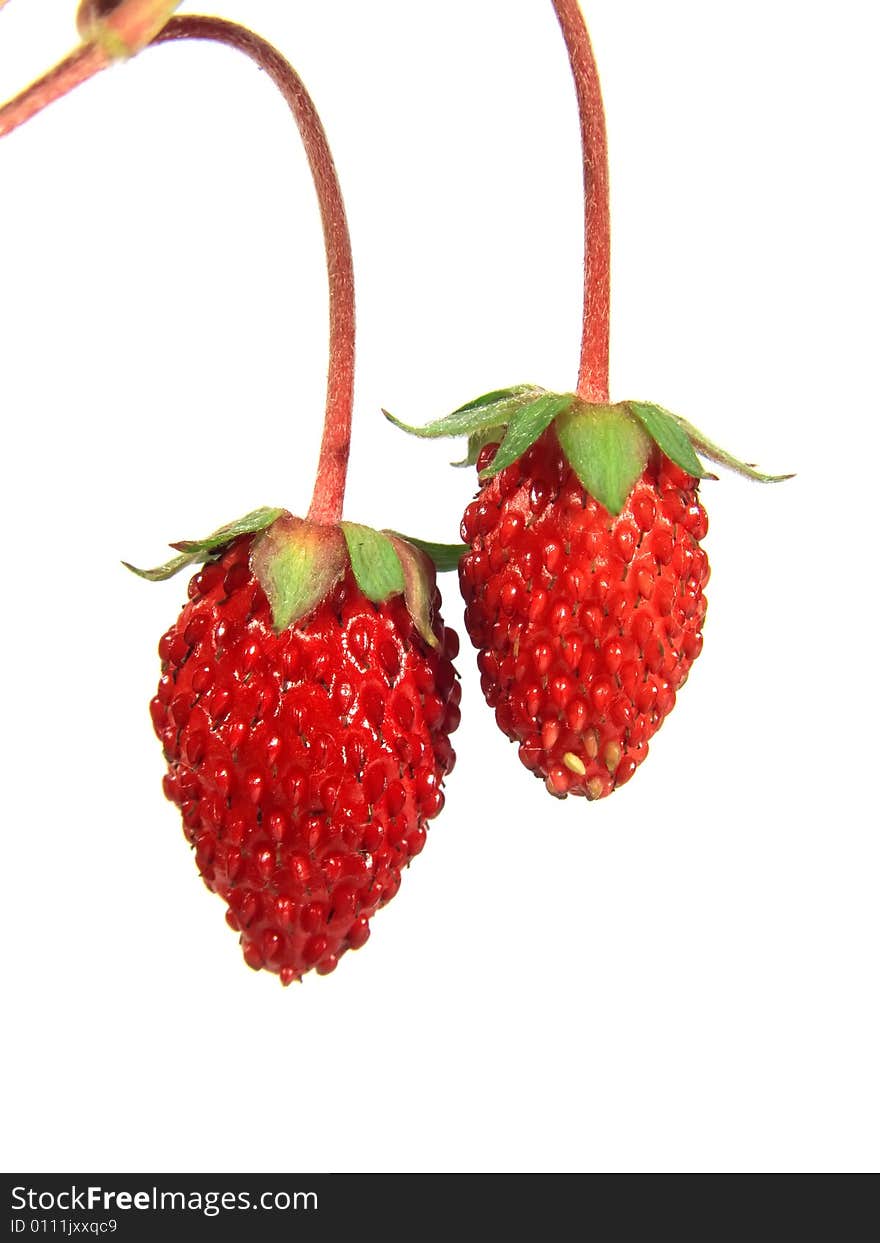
{"points": [[587, 623], [306, 763]]}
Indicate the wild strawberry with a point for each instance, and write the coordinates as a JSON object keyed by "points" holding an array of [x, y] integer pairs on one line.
{"points": [[583, 578], [587, 623], [583, 575], [307, 693], [307, 760]]}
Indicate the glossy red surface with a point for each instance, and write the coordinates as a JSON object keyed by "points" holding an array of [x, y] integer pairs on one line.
{"points": [[306, 764], [586, 624]]}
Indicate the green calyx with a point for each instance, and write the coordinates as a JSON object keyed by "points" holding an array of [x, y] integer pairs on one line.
{"points": [[608, 446], [298, 562]]}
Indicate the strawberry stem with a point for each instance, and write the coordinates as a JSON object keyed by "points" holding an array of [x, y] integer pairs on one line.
{"points": [[88, 60], [78, 67], [329, 490], [593, 374]]}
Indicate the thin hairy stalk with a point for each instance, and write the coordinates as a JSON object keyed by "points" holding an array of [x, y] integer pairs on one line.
{"points": [[78, 67], [593, 373], [329, 490], [88, 60]]}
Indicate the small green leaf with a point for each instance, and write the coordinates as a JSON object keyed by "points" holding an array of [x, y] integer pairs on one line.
{"points": [[489, 410], [161, 572], [194, 551], [524, 428], [444, 556], [374, 560], [669, 436], [499, 395], [418, 586], [256, 520], [297, 563], [607, 448], [716, 454]]}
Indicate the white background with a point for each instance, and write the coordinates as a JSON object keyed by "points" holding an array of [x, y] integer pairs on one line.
{"points": [[681, 977]]}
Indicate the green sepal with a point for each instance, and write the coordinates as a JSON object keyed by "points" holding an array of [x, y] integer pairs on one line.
{"points": [[670, 437], [374, 562], [193, 551], [418, 585], [524, 428], [497, 397], [489, 411], [445, 557], [160, 572], [256, 520], [606, 447], [297, 563], [715, 453]]}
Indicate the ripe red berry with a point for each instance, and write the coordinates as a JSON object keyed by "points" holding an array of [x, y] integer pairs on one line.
{"points": [[587, 624], [582, 574], [307, 692], [306, 763]]}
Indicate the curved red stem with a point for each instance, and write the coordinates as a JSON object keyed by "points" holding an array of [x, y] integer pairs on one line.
{"points": [[593, 374], [329, 490]]}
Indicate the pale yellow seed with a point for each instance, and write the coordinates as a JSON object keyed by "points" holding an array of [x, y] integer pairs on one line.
{"points": [[552, 789], [612, 756], [574, 763]]}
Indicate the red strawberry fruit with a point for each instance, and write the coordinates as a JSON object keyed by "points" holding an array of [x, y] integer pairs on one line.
{"points": [[587, 624], [583, 579], [307, 691], [306, 758], [583, 575]]}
